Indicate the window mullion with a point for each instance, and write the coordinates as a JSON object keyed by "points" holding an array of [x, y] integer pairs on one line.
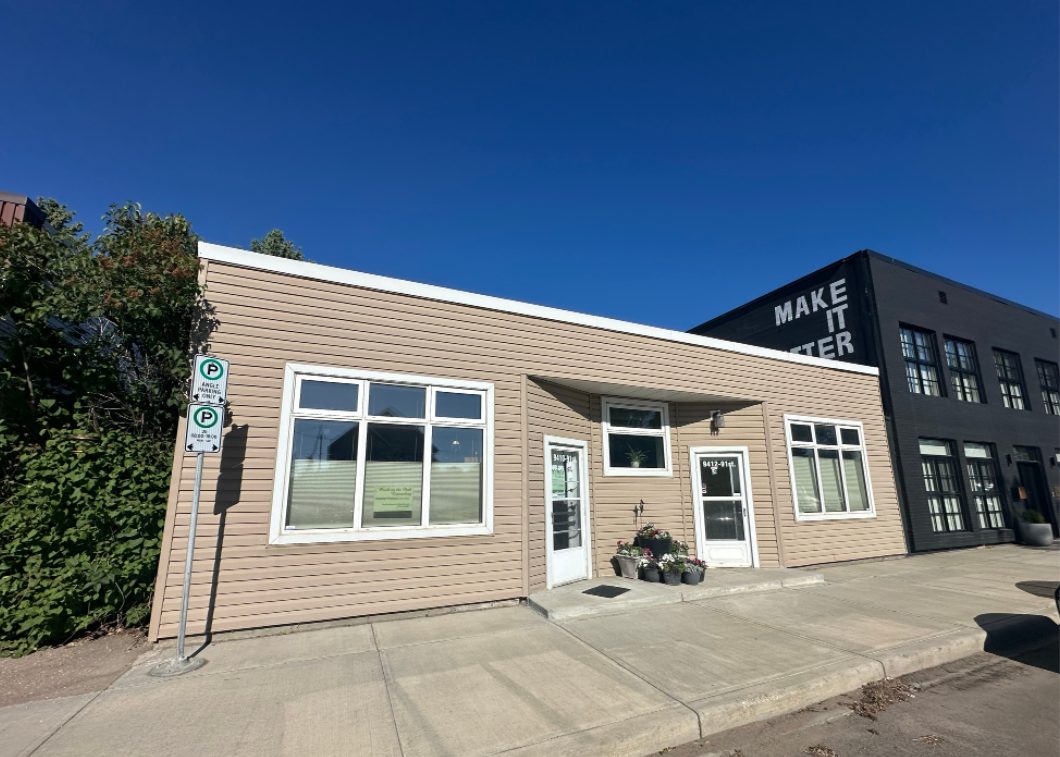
{"points": [[362, 457], [425, 488]]}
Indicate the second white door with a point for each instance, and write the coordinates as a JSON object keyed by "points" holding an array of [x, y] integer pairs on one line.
{"points": [[724, 532]]}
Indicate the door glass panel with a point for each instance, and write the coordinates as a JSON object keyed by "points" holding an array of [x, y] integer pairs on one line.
{"points": [[565, 474], [723, 520], [566, 524], [720, 476], [566, 499]]}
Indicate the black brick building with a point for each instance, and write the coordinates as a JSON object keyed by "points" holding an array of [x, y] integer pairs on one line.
{"points": [[970, 387]]}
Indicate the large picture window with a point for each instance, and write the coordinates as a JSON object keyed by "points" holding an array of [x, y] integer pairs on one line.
{"points": [[829, 477], [921, 362], [380, 456], [942, 485], [636, 438]]}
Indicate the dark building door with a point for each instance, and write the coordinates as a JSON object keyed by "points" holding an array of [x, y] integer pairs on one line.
{"points": [[1033, 482]]}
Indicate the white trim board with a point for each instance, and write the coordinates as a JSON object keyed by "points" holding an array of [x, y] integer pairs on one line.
{"points": [[302, 269]]}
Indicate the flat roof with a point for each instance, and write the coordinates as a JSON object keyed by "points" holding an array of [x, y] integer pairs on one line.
{"points": [[315, 271]]}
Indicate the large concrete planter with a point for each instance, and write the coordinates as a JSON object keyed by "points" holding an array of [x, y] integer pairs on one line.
{"points": [[1036, 534]]}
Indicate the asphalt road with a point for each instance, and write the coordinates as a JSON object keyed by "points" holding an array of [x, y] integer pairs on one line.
{"points": [[987, 704]]}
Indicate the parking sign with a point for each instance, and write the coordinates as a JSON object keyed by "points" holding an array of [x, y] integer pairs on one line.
{"points": [[209, 380], [204, 428]]}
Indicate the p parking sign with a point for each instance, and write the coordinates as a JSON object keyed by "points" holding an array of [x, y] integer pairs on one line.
{"points": [[209, 380], [204, 428]]}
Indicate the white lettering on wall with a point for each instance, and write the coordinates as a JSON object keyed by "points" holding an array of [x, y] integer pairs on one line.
{"points": [[839, 341]]}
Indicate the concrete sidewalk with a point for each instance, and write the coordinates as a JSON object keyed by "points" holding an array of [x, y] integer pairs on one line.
{"points": [[510, 680]]}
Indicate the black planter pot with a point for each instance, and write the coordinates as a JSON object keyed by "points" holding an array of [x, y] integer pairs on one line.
{"points": [[651, 575], [658, 546], [672, 578], [692, 577]]}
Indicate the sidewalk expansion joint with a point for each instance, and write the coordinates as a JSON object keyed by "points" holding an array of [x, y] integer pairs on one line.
{"points": [[634, 673], [386, 687]]}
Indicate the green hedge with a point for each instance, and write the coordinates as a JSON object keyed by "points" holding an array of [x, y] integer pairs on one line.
{"points": [[79, 536]]}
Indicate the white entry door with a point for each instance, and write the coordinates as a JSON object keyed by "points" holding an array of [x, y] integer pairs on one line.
{"points": [[566, 511], [724, 522]]}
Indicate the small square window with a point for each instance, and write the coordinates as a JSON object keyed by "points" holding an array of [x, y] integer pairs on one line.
{"points": [[801, 432], [394, 401], [328, 395], [457, 405], [636, 438], [850, 436], [825, 434]]}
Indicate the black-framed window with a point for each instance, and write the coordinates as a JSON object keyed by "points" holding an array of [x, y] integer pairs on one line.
{"points": [[964, 370], [1010, 377], [1049, 378], [942, 485], [921, 361], [983, 478]]}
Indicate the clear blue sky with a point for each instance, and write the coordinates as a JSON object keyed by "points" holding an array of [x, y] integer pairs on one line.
{"points": [[659, 162]]}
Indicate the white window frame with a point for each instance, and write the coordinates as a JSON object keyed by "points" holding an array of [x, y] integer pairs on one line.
{"points": [[841, 447], [664, 433], [292, 379]]}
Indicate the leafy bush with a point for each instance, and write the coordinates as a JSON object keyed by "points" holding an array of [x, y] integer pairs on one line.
{"points": [[79, 535]]}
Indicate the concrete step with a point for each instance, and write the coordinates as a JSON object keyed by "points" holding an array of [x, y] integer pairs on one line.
{"points": [[571, 601]]}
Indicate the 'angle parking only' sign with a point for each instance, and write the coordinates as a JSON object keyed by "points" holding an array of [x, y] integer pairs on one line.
{"points": [[204, 428], [209, 380]]}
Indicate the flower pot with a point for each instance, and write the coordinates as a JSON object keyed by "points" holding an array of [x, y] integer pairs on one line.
{"points": [[658, 546], [1036, 534], [671, 578], [634, 463], [692, 577], [651, 575], [627, 565]]}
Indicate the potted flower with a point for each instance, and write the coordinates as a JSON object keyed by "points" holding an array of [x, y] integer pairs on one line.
{"points": [[694, 570], [628, 558], [636, 457], [654, 539], [672, 568], [1035, 529], [649, 567]]}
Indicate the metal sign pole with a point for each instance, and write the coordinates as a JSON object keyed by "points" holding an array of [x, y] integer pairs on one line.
{"points": [[182, 664], [192, 527]]}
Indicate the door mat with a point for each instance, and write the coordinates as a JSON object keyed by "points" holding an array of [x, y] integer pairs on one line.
{"points": [[607, 592]]}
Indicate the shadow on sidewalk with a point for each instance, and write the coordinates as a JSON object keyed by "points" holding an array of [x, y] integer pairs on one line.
{"points": [[1032, 640]]}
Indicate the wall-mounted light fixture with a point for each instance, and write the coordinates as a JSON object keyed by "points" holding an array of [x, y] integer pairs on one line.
{"points": [[717, 422]]}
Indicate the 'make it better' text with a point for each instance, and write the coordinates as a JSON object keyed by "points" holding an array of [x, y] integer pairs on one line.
{"points": [[832, 299]]}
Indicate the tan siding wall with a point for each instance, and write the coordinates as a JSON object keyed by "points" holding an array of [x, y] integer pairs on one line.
{"points": [[267, 319]]}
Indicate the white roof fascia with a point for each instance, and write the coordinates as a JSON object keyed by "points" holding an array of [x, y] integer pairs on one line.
{"points": [[302, 269]]}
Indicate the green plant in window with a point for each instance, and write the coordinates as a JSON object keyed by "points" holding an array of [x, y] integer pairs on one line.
{"points": [[636, 457]]}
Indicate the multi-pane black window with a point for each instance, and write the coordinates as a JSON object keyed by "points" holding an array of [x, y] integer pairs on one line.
{"points": [[982, 476], [1010, 377], [921, 363], [1049, 378], [943, 489], [964, 370]]}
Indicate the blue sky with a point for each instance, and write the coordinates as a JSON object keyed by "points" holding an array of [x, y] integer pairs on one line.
{"points": [[659, 162]]}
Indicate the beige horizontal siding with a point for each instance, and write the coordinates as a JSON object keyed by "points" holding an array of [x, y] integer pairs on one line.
{"points": [[265, 320]]}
